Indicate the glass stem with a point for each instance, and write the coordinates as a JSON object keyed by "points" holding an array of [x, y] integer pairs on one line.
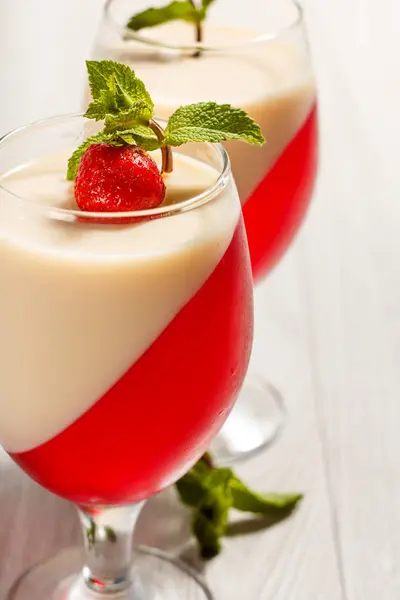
{"points": [[108, 538]]}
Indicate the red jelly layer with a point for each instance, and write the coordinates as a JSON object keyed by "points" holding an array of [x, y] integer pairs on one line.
{"points": [[161, 415], [274, 212]]}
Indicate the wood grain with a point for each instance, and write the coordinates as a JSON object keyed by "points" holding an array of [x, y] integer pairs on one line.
{"points": [[349, 272]]}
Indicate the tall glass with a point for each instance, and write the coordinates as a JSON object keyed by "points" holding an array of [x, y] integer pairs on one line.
{"points": [[123, 347], [255, 56]]}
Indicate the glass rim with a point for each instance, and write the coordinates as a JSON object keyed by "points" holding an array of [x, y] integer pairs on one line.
{"points": [[130, 35], [67, 214]]}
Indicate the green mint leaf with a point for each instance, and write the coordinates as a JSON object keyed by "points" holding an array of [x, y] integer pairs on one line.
{"points": [[124, 119], [191, 489], [100, 75], [105, 104], [210, 518], [212, 492], [121, 100], [207, 536], [211, 122], [139, 135], [218, 483], [117, 91], [207, 491], [76, 156], [179, 10], [246, 500]]}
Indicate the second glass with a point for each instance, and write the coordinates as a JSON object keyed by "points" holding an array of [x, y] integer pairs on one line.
{"points": [[265, 69]]}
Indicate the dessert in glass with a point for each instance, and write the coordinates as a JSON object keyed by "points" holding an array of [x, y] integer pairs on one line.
{"points": [[125, 341], [265, 68]]}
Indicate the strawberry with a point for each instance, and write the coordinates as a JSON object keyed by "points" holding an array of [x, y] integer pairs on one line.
{"points": [[118, 179]]}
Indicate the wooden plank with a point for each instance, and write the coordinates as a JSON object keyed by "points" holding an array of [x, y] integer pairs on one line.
{"points": [[348, 269]]}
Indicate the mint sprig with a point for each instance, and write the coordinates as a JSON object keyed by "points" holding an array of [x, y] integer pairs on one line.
{"points": [[212, 492], [118, 95], [140, 135], [211, 122], [178, 10], [122, 102]]}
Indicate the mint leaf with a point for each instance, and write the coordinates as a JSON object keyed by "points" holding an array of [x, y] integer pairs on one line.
{"points": [[124, 119], [179, 10], [246, 500], [211, 122], [105, 104], [211, 492], [100, 73], [191, 489], [139, 135], [207, 491], [121, 100], [210, 518], [76, 156], [117, 93], [193, 486], [207, 535]]}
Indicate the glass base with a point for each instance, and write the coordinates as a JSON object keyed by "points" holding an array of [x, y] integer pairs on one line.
{"points": [[254, 423], [156, 576]]}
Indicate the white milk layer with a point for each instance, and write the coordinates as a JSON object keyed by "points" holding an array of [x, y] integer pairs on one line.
{"points": [[272, 81], [80, 303]]}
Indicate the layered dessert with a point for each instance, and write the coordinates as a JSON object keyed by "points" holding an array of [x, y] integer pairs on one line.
{"points": [[272, 80], [124, 342], [126, 298]]}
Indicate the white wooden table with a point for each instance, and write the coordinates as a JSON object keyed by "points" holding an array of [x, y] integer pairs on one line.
{"points": [[328, 334]]}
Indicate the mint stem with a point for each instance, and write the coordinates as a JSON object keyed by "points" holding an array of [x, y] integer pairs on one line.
{"points": [[199, 38], [167, 163], [199, 32]]}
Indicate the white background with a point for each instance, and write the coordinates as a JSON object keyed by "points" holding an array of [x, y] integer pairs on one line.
{"points": [[43, 44]]}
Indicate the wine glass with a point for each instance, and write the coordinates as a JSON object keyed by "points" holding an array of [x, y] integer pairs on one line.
{"points": [[123, 347], [257, 58]]}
